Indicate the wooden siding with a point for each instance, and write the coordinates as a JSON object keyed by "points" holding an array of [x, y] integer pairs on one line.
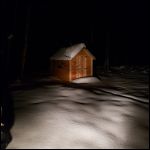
{"points": [[60, 69], [81, 65]]}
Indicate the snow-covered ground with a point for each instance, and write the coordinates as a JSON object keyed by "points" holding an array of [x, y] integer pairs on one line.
{"points": [[112, 112]]}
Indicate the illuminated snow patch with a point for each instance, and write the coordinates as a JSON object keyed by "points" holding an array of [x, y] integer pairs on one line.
{"points": [[87, 80]]}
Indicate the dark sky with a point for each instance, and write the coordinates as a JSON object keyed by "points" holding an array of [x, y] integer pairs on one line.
{"points": [[58, 23]]}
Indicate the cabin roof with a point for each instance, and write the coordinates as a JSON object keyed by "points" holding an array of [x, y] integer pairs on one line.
{"points": [[69, 52]]}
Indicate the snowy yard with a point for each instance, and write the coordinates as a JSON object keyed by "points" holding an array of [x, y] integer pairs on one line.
{"points": [[112, 112]]}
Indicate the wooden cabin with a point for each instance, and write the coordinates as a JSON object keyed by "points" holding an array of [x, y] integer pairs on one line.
{"points": [[72, 63]]}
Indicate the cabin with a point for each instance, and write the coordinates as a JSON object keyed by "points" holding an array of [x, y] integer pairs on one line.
{"points": [[72, 63]]}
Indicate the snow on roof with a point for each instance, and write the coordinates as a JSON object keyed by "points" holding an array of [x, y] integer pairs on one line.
{"points": [[69, 52]]}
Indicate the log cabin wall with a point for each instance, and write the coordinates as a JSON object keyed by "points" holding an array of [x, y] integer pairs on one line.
{"points": [[60, 69], [81, 65]]}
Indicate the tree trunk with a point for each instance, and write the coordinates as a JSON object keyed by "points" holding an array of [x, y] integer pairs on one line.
{"points": [[107, 52], [24, 51]]}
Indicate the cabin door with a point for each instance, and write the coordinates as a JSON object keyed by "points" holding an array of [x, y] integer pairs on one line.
{"points": [[84, 68], [78, 66], [81, 66]]}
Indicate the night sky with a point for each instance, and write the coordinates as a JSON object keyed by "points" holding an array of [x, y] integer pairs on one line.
{"points": [[55, 24]]}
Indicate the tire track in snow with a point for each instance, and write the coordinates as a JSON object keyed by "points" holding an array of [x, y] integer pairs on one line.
{"points": [[117, 93]]}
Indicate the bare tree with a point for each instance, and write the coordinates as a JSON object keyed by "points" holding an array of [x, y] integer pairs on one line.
{"points": [[107, 52], [24, 51]]}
